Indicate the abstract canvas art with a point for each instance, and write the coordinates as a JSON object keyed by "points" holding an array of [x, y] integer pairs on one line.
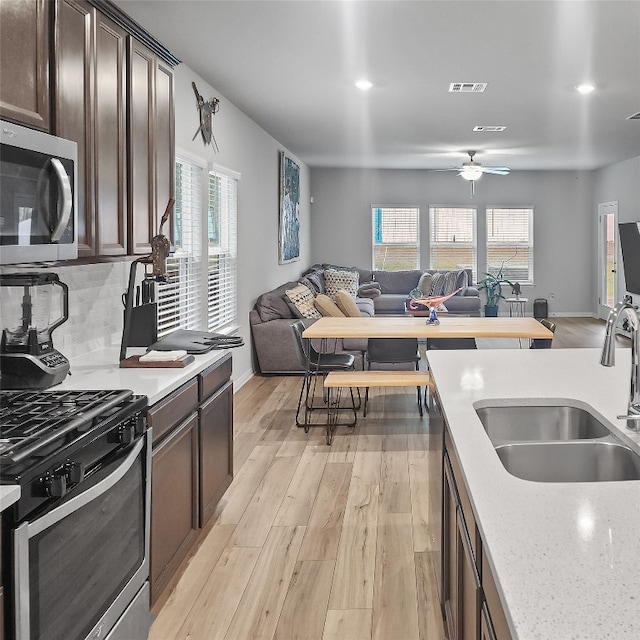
{"points": [[289, 227]]}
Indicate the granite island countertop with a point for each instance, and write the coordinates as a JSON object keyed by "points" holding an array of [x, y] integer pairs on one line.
{"points": [[565, 556]]}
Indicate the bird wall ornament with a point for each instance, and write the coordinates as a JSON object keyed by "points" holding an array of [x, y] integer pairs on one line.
{"points": [[207, 111]]}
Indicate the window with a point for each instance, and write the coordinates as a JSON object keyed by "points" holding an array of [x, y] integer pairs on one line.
{"points": [[510, 243], [179, 298], [453, 239], [222, 249], [200, 291], [395, 238]]}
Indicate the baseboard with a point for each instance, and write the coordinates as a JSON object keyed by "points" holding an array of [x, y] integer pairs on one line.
{"points": [[239, 382], [572, 314]]}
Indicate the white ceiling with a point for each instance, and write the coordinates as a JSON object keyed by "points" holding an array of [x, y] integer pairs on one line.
{"points": [[290, 66]]}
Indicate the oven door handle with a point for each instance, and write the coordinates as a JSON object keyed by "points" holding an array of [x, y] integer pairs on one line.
{"points": [[79, 501]]}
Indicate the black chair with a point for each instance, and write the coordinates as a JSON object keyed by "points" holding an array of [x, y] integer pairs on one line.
{"points": [[317, 366], [544, 343], [441, 344], [392, 351]]}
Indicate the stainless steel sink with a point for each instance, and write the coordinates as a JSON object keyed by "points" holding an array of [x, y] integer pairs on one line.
{"points": [[594, 461], [518, 423]]}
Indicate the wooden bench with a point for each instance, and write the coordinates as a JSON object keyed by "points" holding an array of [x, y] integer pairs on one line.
{"points": [[364, 379]]}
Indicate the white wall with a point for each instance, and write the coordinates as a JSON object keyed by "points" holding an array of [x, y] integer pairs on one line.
{"points": [[618, 182], [249, 150], [563, 229]]}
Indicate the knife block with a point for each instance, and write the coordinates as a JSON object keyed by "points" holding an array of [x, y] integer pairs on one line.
{"points": [[140, 325], [143, 326]]}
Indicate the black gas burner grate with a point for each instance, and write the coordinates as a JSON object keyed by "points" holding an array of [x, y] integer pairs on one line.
{"points": [[30, 421]]}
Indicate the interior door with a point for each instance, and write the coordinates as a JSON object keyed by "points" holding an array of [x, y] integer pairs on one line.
{"points": [[607, 257]]}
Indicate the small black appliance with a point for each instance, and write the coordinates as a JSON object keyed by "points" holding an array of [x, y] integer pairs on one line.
{"points": [[28, 359]]}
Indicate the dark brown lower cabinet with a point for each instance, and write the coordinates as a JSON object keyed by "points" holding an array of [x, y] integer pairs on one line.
{"points": [[470, 602], [174, 502], [192, 468], [216, 450]]}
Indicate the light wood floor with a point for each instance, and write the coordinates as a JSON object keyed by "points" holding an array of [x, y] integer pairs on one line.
{"points": [[320, 542]]}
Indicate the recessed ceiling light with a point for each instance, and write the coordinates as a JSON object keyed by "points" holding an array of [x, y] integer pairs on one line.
{"points": [[364, 84], [585, 88]]}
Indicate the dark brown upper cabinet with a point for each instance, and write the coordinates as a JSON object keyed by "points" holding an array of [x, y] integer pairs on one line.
{"points": [[151, 144], [24, 62], [114, 97]]}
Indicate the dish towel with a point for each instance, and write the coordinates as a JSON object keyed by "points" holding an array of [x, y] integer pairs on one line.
{"points": [[163, 356]]}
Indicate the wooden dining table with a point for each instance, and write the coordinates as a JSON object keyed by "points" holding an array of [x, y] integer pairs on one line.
{"points": [[410, 327], [327, 328]]}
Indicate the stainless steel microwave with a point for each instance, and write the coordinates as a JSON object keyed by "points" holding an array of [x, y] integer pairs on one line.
{"points": [[38, 201]]}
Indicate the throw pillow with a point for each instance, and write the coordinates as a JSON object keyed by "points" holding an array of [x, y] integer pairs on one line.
{"points": [[450, 279], [302, 299], [462, 280], [437, 283], [316, 278], [424, 284], [327, 307], [347, 304], [369, 290], [335, 280]]}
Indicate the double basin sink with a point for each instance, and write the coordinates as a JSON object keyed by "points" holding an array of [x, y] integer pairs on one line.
{"points": [[543, 442]]}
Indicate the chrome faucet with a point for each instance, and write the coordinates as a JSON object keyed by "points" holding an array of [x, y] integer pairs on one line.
{"points": [[608, 357]]}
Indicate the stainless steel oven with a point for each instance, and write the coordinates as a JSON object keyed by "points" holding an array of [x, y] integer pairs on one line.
{"points": [[38, 203], [78, 554]]}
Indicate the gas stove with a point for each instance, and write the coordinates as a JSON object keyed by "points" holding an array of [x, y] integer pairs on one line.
{"points": [[50, 440], [82, 460]]}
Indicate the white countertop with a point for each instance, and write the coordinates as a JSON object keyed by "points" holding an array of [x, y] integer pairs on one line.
{"points": [[9, 494], [566, 556], [99, 370]]}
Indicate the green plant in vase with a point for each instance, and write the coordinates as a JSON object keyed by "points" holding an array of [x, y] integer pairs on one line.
{"points": [[492, 285]]}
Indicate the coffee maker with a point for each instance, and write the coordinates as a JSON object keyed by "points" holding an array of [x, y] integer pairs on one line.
{"points": [[28, 359]]}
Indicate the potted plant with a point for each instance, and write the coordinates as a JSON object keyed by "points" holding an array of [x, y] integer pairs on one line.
{"points": [[492, 284]]}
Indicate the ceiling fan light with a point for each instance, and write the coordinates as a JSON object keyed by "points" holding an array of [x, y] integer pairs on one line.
{"points": [[471, 173]]}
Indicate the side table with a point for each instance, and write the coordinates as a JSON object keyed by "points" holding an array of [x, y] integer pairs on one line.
{"points": [[517, 306]]}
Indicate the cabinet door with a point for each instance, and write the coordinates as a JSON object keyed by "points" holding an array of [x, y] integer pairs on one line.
{"points": [[151, 145], [216, 450], [110, 137], [141, 153], [164, 143], [24, 62], [174, 502], [486, 628], [73, 100], [449, 551], [468, 585]]}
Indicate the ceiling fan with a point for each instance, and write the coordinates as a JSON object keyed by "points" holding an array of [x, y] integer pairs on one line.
{"points": [[473, 170]]}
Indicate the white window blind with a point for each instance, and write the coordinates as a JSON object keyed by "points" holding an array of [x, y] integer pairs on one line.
{"points": [[396, 243], [179, 298], [510, 242], [222, 250], [453, 239]]}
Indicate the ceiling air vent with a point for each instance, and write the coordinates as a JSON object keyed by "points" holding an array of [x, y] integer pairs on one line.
{"points": [[467, 87], [635, 116], [489, 129]]}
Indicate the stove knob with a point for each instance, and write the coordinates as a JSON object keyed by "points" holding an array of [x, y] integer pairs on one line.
{"points": [[74, 472], [127, 433], [56, 485]]}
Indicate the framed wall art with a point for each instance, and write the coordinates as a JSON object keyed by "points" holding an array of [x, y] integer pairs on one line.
{"points": [[289, 222]]}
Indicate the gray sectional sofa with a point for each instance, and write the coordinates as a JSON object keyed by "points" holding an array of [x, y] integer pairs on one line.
{"points": [[273, 342]]}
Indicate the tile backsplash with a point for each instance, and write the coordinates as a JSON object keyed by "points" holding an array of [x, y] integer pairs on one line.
{"points": [[95, 305]]}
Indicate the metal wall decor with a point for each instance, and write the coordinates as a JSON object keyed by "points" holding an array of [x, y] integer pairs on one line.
{"points": [[207, 111]]}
